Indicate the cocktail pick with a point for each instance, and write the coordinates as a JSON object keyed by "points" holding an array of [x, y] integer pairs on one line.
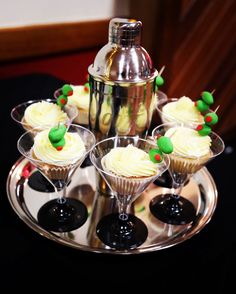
{"points": [[156, 155], [164, 145], [207, 100], [210, 119], [203, 130], [63, 99], [159, 80], [201, 105], [207, 97], [56, 136], [67, 90]]}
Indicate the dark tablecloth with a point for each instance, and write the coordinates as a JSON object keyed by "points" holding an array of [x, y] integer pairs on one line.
{"points": [[208, 258]]}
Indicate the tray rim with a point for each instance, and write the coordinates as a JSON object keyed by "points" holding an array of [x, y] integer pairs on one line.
{"points": [[152, 248]]}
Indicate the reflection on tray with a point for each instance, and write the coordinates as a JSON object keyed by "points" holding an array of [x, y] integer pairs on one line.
{"points": [[26, 202]]}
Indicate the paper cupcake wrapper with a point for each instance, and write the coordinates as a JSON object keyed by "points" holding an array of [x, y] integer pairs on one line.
{"points": [[129, 186], [187, 165]]}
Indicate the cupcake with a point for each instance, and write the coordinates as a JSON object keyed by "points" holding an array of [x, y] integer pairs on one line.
{"points": [[56, 157], [131, 168], [43, 114], [181, 110], [191, 150], [80, 98]]}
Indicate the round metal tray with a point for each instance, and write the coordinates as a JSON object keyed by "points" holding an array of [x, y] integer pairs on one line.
{"points": [[201, 190]]}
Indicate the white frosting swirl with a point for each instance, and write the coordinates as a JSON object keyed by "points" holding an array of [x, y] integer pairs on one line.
{"points": [[43, 114], [80, 97], [129, 161], [183, 110], [73, 150], [187, 142]]}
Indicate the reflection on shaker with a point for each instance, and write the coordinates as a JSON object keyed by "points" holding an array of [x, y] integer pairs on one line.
{"points": [[141, 119], [105, 116], [93, 111], [123, 122]]}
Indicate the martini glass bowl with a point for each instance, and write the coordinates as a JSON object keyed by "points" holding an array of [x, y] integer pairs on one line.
{"points": [[172, 208], [123, 230], [62, 214]]}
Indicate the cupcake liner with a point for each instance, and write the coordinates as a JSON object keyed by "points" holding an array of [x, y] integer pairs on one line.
{"points": [[187, 165], [132, 187]]}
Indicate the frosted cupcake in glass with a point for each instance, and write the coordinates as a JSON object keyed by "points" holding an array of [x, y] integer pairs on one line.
{"points": [[192, 149], [184, 110], [79, 97], [42, 114], [125, 165], [56, 153]]}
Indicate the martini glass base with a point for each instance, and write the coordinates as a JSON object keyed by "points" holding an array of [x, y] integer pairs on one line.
{"points": [[109, 231], [39, 183], [62, 217], [171, 210]]}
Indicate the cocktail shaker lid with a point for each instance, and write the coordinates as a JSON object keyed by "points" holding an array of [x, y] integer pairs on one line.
{"points": [[125, 32], [123, 60]]}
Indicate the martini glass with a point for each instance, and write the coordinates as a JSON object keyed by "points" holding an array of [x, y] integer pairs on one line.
{"points": [[36, 180], [165, 180], [62, 214], [172, 208], [161, 96], [123, 230]]}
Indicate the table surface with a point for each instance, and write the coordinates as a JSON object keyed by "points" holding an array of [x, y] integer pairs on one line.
{"points": [[208, 256]]}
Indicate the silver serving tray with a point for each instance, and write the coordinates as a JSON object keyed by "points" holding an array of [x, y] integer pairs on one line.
{"points": [[201, 190]]}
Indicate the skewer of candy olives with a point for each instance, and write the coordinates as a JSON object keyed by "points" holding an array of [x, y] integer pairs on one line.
{"points": [[56, 137], [164, 145], [63, 98]]}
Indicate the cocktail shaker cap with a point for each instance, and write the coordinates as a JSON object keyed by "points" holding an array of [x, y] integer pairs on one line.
{"points": [[123, 61], [125, 32]]}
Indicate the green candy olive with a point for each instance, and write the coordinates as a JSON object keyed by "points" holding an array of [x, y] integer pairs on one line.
{"points": [[86, 87], [62, 100], [203, 130], [159, 81], [207, 97], [60, 143], [165, 144], [57, 133], [67, 90], [211, 118], [202, 106], [155, 155]]}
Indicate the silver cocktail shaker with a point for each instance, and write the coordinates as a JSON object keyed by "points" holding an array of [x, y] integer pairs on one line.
{"points": [[122, 98], [122, 84]]}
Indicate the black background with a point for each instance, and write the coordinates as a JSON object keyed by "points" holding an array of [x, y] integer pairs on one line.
{"points": [[206, 260]]}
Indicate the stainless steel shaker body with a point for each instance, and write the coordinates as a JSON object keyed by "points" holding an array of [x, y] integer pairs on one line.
{"points": [[122, 84]]}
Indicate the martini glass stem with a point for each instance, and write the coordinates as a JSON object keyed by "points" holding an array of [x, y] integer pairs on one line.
{"points": [[60, 188], [125, 226], [178, 182], [123, 206]]}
